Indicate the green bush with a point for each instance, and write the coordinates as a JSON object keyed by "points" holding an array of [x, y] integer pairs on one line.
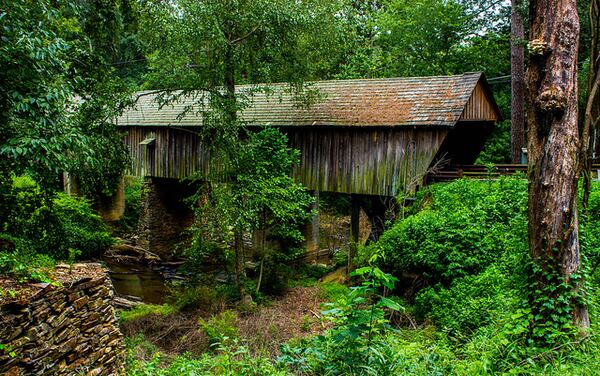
{"points": [[82, 228], [333, 291], [359, 322], [590, 237], [462, 228], [469, 303], [24, 266], [54, 224], [230, 360], [144, 310], [387, 354], [221, 329], [467, 240], [189, 296]]}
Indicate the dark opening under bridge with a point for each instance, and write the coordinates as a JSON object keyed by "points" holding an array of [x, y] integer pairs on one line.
{"points": [[367, 137]]}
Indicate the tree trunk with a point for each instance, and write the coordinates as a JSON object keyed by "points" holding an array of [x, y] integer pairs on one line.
{"points": [[239, 257], [553, 146], [517, 70]]}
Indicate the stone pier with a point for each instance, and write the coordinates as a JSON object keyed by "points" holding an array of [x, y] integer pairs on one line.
{"points": [[164, 216]]}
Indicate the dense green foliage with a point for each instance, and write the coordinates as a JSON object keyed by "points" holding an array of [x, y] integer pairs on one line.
{"points": [[461, 254], [56, 225], [471, 320], [59, 93], [259, 195], [358, 321], [468, 245], [143, 310], [127, 224], [460, 229], [25, 266], [234, 360]]}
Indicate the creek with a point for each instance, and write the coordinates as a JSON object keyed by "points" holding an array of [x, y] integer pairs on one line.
{"points": [[148, 283]]}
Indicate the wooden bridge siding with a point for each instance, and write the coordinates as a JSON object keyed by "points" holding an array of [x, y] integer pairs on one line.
{"points": [[479, 107], [370, 161], [175, 153]]}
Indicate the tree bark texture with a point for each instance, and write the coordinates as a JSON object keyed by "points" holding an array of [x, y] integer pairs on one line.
{"points": [[517, 71], [554, 140]]}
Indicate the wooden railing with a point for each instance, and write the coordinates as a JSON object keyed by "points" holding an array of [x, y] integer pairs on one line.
{"points": [[453, 172]]}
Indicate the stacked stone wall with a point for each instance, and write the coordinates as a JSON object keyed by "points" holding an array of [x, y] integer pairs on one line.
{"points": [[69, 329], [164, 215]]}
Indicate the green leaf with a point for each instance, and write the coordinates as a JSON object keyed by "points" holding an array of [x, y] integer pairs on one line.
{"points": [[388, 303]]}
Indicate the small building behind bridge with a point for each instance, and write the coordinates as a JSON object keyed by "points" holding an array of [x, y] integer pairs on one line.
{"points": [[363, 137]]}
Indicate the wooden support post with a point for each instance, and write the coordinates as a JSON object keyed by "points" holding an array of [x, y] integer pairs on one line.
{"points": [[355, 218], [70, 185], [311, 233], [354, 229]]}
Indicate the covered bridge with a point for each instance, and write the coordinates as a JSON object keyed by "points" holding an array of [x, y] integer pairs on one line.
{"points": [[368, 136]]}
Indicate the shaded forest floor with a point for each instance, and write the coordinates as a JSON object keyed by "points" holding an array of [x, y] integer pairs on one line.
{"points": [[294, 315]]}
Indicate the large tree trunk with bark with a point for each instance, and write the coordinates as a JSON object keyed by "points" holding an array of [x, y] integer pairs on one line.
{"points": [[554, 143], [517, 70]]}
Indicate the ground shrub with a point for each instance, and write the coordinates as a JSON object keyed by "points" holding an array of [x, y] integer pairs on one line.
{"points": [[387, 354], [469, 303], [220, 329], [467, 242], [54, 224], [82, 228], [232, 360], [25, 266], [358, 318], [462, 228], [306, 274], [144, 310], [188, 297], [333, 291], [590, 236]]}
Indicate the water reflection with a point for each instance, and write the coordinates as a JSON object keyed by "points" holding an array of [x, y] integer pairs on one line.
{"points": [[140, 281]]}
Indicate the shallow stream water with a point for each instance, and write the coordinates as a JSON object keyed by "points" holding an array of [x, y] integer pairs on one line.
{"points": [[148, 284]]}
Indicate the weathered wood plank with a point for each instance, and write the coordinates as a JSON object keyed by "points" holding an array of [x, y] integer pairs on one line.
{"points": [[355, 160]]}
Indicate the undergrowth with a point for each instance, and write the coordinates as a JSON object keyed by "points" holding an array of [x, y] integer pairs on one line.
{"points": [[465, 313], [144, 310], [51, 223]]}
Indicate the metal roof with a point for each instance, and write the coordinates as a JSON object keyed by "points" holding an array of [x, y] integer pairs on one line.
{"points": [[406, 101]]}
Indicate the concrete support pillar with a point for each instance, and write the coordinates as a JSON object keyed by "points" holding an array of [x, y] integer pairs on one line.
{"points": [[311, 230], [111, 208], [164, 215], [70, 185]]}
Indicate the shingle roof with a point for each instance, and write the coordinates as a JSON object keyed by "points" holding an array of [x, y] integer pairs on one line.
{"points": [[422, 101]]}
